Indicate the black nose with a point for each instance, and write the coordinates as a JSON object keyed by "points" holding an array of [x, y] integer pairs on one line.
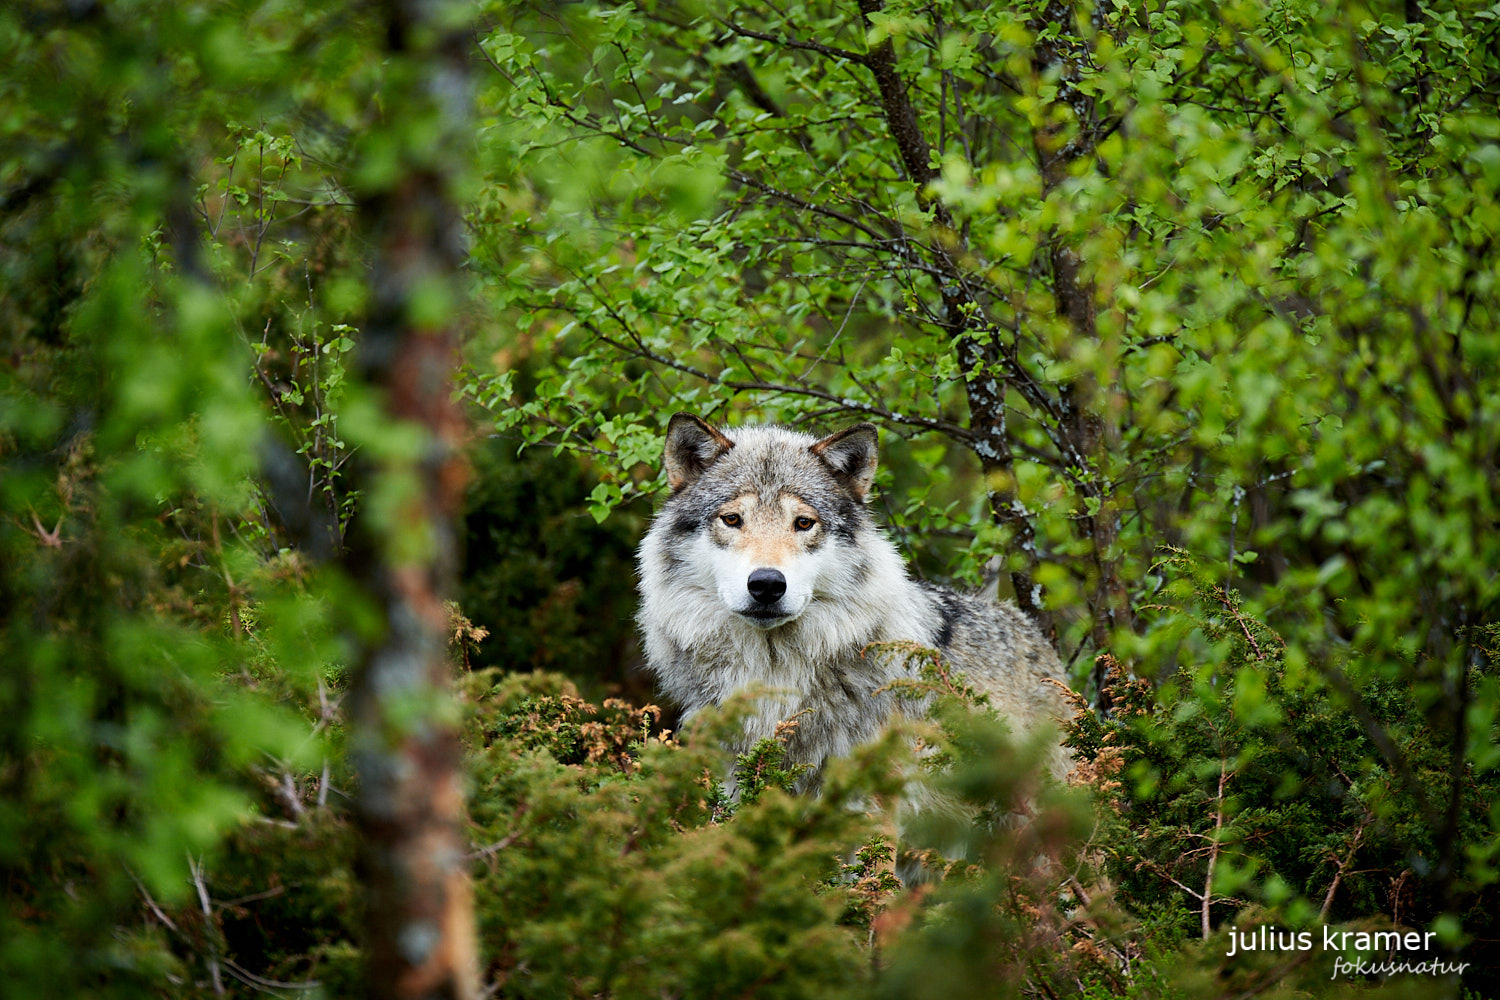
{"points": [[767, 586]]}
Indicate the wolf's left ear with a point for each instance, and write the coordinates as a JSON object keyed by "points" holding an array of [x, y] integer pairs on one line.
{"points": [[850, 454], [692, 446]]}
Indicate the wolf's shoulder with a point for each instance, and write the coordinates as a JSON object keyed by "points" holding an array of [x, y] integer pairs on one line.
{"points": [[976, 616], [1002, 652]]}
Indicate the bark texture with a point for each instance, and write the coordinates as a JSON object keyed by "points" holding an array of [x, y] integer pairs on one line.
{"points": [[419, 922]]}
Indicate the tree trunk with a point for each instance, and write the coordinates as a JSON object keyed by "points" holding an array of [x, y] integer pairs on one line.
{"points": [[1085, 420], [403, 552], [977, 340]]}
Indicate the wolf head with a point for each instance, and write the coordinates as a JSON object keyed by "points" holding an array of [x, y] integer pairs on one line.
{"points": [[760, 519]]}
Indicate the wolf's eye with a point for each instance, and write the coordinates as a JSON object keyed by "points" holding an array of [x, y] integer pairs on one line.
{"points": [[732, 520], [804, 523]]}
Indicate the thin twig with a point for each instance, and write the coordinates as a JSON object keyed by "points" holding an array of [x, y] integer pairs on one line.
{"points": [[1213, 854], [157, 910], [792, 43], [208, 917], [264, 985], [1343, 868]]}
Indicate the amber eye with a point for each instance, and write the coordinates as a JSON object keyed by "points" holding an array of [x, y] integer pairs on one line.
{"points": [[804, 523], [733, 520]]}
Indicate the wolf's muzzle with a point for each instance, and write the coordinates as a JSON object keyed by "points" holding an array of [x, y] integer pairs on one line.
{"points": [[766, 586]]}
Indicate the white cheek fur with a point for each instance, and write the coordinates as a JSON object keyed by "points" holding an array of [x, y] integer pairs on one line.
{"points": [[807, 575]]}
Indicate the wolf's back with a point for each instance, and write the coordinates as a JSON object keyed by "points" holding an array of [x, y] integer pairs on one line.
{"points": [[1004, 655]]}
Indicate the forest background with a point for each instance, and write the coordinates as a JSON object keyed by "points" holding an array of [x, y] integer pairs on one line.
{"points": [[1179, 320]]}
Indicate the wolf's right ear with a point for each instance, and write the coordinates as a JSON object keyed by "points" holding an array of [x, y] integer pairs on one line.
{"points": [[692, 446], [850, 456]]}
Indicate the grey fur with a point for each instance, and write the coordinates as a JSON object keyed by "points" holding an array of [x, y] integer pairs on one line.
{"points": [[706, 640]]}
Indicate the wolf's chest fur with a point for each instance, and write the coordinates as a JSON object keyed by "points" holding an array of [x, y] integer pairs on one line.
{"points": [[839, 699]]}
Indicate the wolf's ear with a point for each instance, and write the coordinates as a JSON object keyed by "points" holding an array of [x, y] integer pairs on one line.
{"points": [[692, 446], [850, 454]]}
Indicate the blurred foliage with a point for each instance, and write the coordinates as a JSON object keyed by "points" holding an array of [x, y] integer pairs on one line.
{"points": [[1220, 278], [163, 660]]}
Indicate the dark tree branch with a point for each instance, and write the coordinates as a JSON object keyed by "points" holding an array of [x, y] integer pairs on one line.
{"points": [[792, 43], [637, 349], [751, 181], [963, 317]]}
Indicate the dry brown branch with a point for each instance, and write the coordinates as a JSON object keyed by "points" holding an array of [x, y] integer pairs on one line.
{"points": [[1213, 856], [1343, 865]]}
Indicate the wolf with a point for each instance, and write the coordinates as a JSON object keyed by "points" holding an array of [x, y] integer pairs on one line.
{"points": [[764, 570]]}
